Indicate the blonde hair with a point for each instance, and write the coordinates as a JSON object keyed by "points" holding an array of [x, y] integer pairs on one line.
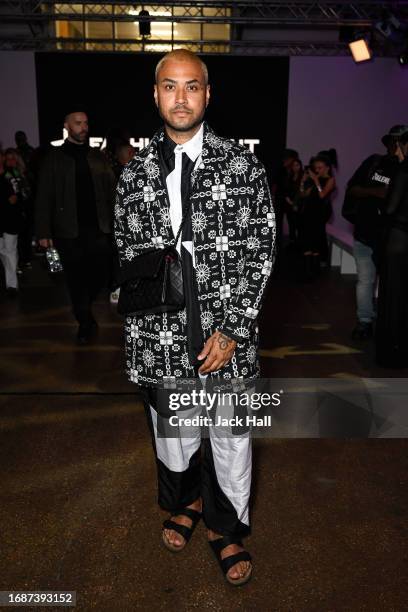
{"points": [[21, 167], [182, 55]]}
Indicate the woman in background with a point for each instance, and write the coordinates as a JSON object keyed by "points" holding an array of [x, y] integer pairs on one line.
{"points": [[10, 223], [15, 173], [292, 199], [316, 188]]}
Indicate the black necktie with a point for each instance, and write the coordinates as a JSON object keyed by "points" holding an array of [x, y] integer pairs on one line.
{"points": [[194, 331]]}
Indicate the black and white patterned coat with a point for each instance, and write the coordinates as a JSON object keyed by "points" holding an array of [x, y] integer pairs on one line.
{"points": [[234, 233]]}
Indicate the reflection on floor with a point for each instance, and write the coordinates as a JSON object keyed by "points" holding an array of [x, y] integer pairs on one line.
{"points": [[78, 507]]}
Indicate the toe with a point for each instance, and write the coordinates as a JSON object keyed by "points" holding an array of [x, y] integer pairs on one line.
{"points": [[234, 572], [239, 570], [177, 541], [175, 538], [167, 533], [244, 568]]}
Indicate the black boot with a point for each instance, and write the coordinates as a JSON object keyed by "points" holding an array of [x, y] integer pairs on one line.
{"points": [[86, 329], [362, 331]]}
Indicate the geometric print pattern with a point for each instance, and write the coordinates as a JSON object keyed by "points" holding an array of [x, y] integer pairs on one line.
{"points": [[234, 234]]}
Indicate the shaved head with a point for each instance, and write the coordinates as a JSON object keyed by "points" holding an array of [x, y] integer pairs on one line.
{"points": [[182, 55], [76, 125]]}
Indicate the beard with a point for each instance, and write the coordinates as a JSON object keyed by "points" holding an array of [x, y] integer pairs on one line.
{"points": [[80, 138], [193, 123]]}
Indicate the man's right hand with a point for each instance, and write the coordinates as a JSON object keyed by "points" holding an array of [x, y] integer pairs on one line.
{"points": [[46, 243]]}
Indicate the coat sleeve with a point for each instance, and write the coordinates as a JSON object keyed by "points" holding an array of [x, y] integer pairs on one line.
{"points": [[259, 260], [118, 228], [124, 241], [45, 199]]}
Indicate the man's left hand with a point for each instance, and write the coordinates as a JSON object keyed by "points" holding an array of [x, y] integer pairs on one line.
{"points": [[217, 352]]}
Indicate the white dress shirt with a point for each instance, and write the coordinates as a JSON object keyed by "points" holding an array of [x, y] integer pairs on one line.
{"points": [[193, 149]]}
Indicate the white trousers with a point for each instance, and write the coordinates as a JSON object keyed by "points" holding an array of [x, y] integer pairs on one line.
{"points": [[9, 258], [226, 467]]}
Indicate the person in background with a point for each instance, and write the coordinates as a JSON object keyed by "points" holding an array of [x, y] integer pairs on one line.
{"points": [[15, 172], [29, 156], [292, 199], [316, 188], [115, 138], [279, 190], [364, 200], [124, 153], [10, 222], [74, 212], [331, 156], [23, 148], [391, 333]]}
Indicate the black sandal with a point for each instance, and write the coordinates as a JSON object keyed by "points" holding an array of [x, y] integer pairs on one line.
{"points": [[183, 530], [218, 545]]}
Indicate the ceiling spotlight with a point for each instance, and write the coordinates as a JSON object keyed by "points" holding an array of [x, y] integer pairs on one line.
{"points": [[360, 50], [144, 24]]}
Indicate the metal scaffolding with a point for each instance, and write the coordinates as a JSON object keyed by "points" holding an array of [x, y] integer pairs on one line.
{"points": [[32, 24], [259, 47]]}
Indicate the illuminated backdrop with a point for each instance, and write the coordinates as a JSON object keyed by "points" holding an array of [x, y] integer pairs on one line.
{"points": [[248, 102]]}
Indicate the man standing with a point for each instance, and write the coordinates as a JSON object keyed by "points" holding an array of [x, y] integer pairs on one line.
{"points": [[227, 251], [363, 205], [74, 211]]}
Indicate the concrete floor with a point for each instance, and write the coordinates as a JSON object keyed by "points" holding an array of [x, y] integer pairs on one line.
{"points": [[78, 503]]}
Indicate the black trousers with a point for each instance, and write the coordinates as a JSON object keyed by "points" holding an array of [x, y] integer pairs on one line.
{"points": [[25, 235], [392, 319], [87, 263], [217, 468]]}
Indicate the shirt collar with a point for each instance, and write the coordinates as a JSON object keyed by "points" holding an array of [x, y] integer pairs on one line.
{"points": [[192, 147]]}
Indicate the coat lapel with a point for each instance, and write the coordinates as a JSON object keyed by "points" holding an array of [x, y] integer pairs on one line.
{"points": [[155, 193], [155, 190]]}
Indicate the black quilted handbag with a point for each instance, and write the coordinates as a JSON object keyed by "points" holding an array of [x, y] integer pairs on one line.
{"points": [[152, 282]]}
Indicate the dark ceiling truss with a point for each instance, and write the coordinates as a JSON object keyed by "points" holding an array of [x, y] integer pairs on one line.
{"points": [[40, 18], [259, 47], [359, 14]]}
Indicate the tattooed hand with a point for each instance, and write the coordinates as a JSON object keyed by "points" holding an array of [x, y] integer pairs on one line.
{"points": [[217, 352]]}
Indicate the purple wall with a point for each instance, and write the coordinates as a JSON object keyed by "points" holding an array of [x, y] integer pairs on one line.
{"points": [[18, 99], [334, 102]]}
